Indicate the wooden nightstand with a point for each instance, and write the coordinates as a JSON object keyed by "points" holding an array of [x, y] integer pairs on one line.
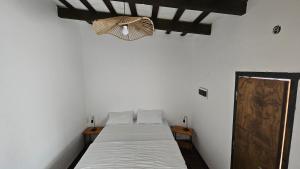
{"points": [[91, 133], [182, 131]]}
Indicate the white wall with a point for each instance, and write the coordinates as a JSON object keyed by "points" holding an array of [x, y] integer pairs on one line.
{"points": [[240, 44], [166, 71], [148, 73], [41, 101], [41, 97]]}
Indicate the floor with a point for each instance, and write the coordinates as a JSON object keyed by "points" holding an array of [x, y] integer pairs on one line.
{"points": [[191, 156], [193, 159]]}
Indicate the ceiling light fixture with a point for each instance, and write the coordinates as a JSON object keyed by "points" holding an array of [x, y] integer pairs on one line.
{"points": [[125, 30], [125, 27]]}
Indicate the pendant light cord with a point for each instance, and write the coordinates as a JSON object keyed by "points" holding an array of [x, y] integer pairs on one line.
{"points": [[124, 7]]}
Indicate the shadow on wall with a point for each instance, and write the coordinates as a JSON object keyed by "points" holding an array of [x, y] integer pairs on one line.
{"points": [[66, 157]]}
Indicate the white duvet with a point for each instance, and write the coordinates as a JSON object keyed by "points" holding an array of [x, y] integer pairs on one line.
{"points": [[133, 147], [135, 132]]}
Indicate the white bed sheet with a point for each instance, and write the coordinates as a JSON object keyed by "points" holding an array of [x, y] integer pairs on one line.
{"points": [[133, 146], [159, 154], [135, 132]]}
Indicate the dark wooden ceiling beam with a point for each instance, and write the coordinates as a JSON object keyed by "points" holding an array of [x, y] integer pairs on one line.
{"points": [[204, 29], [67, 4], [88, 5], [176, 18], [162, 24], [155, 9], [110, 7], [133, 8], [198, 20], [237, 7], [201, 17]]}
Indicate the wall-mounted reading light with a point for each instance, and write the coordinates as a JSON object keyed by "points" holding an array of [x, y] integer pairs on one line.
{"points": [[185, 121], [93, 122]]}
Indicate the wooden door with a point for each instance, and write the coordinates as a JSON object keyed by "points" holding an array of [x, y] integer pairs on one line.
{"points": [[259, 123]]}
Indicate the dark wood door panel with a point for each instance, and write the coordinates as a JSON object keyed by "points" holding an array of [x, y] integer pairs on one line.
{"points": [[252, 154], [259, 116]]}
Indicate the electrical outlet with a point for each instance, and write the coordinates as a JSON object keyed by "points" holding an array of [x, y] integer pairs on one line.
{"points": [[203, 92]]}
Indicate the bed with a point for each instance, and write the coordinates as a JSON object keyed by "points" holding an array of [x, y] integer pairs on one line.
{"points": [[133, 146]]}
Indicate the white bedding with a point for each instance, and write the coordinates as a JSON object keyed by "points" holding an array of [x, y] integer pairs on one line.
{"points": [[133, 147], [135, 132], [160, 154]]}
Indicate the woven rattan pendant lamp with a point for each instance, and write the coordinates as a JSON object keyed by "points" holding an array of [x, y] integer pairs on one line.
{"points": [[125, 27]]}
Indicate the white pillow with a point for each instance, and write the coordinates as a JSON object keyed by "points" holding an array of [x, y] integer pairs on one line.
{"points": [[125, 117], [149, 117]]}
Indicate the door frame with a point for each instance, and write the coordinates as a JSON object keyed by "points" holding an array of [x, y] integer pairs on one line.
{"points": [[294, 78]]}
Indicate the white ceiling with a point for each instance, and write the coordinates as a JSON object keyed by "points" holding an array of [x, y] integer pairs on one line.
{"points": [[145, 10]]}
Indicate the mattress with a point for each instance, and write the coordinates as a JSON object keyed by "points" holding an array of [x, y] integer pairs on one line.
{"points": [[133, 147]]}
